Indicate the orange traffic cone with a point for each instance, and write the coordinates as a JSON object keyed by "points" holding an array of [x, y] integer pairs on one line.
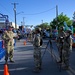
{"points": [[25, 42], [6, 70]]}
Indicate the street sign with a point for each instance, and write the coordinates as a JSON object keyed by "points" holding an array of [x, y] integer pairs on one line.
{"points": [[2, 19]]}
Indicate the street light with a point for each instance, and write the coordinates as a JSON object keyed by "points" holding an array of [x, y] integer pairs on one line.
{"points": [[15, 13], [19, 13], [42, 21], [15, 17]]}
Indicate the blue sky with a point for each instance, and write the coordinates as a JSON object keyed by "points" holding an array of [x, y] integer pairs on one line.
{"points": [[32, 7]]}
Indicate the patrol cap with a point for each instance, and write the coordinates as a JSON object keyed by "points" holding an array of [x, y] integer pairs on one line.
{"points": [[61, 28], [10, 26], [69, 31], [37, 29]]}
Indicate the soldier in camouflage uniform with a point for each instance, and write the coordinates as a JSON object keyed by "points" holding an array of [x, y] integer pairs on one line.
{"points": [[60, 40], [67, 48], [8, 43], [37, 50]]}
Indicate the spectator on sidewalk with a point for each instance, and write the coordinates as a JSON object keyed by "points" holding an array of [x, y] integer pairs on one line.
{"points": [[8, 43]]}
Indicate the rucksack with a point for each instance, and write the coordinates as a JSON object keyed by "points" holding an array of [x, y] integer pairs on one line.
{"points": [[66, 40], [41, 42]]}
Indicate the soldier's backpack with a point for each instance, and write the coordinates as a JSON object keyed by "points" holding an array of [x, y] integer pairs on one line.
{"points": [[66, 43], [41, 42]]}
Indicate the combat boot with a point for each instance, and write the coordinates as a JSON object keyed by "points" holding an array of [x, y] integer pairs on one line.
{"points": [[40, 65], [40, 68], [66, 68], [6, 62], [11, 61], [59, 61], [36, 70]]}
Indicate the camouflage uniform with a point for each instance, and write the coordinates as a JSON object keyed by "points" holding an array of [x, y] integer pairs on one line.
{"points": [[60, 40], [30, 37], [8, 43], [67, 48], [37, 51]]}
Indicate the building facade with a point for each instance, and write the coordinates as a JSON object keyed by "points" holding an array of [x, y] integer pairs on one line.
{"points": [[3, 25]]}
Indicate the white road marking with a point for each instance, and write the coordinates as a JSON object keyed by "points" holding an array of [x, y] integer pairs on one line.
{"points": [[16, 69]]}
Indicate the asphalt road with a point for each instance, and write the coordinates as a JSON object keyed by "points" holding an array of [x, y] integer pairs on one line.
{"points": [[24, 61]]}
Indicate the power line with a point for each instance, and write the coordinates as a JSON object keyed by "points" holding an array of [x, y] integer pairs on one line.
{"points": [[41, 12], [6, 10]]}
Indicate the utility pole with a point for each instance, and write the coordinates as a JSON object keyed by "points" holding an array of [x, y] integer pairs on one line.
{"points": [[56, 11], [23, 21], [57, 16], [15, 14], [74, 16]]}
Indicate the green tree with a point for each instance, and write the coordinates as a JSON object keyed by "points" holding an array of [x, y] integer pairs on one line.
{"points": [[44, 26], [73, 20], [73, 24], [59, 21]]}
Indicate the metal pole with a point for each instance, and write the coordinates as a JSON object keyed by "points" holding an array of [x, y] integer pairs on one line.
{"points": [[57, 15], [15, 14], [56, 11], [23, 21], [42, 21]]}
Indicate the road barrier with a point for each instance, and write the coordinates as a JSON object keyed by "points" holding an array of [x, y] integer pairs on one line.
{"points": [[2, 50]]}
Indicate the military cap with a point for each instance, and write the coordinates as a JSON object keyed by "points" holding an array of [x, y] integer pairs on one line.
{"points": [[37, 28], [10, 26], [69, 31], [61, 28]]}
